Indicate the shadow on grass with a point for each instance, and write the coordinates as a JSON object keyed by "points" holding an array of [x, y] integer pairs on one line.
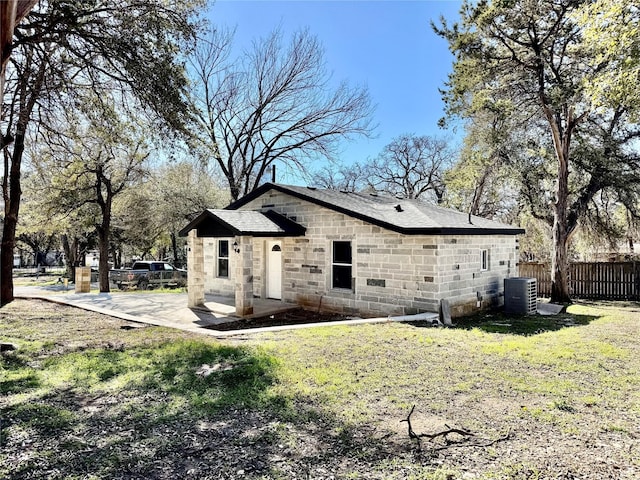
{"points": [[15, 374], [171, 410], [500, 322], [21, 382]]}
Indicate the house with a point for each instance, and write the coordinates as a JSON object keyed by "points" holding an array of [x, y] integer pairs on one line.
{"points": [[354, 253]]}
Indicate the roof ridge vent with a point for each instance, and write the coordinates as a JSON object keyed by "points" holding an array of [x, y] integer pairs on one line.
{"points": [[312, 188]]}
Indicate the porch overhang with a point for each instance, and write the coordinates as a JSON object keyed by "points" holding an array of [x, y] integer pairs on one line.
{"points": [[231, 223]]}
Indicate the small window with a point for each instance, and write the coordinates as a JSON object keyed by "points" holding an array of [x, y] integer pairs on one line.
{"points": [[223, 258], [484, 260], [341, 265], [276, 248]]}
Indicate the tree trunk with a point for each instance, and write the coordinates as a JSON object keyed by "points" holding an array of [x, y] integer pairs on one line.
{"points": [[71, 254], [114, 257], [28, 92], [174, 247], [103, 262], [12, 206], [560, 256], [104, 230], [560, 265], [6, 262]]}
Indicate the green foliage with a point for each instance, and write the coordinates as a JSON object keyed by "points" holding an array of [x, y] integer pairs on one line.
{"points": [[611, 32], [526, 69], [481, 182], [63, 49], [133, 44], [149, 216], [535, 245]]}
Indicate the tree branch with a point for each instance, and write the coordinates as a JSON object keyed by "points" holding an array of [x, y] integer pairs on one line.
{"points": [[465, 434]]}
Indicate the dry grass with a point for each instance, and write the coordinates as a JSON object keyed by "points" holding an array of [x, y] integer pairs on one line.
{"points": [[83, 398]]}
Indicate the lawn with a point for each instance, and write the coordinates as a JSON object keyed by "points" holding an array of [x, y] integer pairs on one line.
{"points": [[540, 398]]}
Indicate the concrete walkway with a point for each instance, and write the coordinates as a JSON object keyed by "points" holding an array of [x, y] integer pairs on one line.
{"points": [[170, 309], [161, 309]]}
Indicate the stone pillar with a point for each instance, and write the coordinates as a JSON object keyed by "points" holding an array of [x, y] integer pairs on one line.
{"points": [[244, 276], [83, 279], [195, 270]]}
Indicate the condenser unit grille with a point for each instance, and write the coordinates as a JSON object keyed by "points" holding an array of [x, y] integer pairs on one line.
{"points": [[520, 295]]}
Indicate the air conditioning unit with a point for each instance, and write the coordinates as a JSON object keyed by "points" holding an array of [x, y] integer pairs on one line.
{"points": [[520, 295]]}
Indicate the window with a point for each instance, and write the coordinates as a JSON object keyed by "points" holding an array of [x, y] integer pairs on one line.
{"points": [[484, 260], [223, 258], [341, 265]]}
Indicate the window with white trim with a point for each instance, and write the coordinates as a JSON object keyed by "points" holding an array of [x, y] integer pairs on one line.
{"points": [[223, 258], [484, 260], [341, 265]]}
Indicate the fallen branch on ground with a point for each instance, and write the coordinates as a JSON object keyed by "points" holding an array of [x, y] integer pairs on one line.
{"points": [[449, 443]]}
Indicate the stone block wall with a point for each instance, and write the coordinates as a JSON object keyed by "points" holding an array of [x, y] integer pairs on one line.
{"points": [[393, 274], [214, 284], [243, 276], [259, 267], [226, 286], [195, 270], [461, 278]]}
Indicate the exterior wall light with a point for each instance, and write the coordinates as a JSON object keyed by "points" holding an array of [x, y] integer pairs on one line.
{"points": [[236, 248]]}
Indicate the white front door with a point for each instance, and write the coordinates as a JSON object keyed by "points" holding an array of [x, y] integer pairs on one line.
{"points": [[274, 270]]}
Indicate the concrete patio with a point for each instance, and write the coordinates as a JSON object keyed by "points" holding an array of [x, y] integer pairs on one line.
{"points": [[170, 310], [162, 309]]}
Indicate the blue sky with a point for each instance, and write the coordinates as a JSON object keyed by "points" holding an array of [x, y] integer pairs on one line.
{"points": [[388, 46]]}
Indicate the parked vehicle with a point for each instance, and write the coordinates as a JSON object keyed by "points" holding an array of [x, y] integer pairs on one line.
{"points": [[148, 274]]}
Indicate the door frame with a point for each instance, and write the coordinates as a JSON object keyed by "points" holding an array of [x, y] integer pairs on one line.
{"points": [[270, 265]]}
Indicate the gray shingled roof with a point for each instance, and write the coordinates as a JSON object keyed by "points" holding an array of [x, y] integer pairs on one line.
{"points": [[220, 223], [401, 215], [247, 221]]}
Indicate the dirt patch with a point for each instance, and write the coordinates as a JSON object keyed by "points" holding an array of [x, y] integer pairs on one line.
{"points": [[298, 316]]}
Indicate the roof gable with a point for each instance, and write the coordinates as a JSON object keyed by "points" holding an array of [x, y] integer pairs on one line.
{"points": [[411, 217], [229, 223]]}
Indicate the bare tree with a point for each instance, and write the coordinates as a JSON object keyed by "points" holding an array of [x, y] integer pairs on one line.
{"points": [[274, 104], [347, 178], [412, 167]]}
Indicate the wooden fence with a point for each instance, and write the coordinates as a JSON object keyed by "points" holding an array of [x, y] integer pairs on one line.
{"points": [[597, 280]]}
